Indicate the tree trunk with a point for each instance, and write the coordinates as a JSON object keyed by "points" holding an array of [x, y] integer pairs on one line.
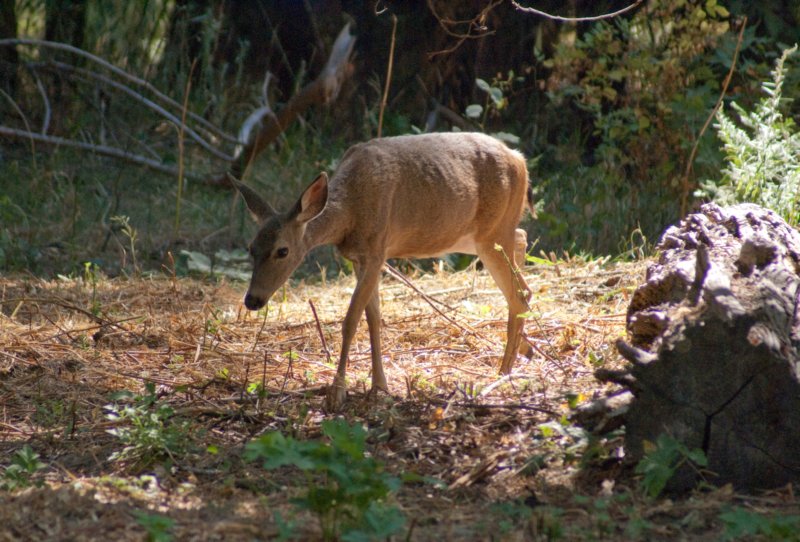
{"points": [[9, 59], [188, 25], [65, 21], [714, 336]]}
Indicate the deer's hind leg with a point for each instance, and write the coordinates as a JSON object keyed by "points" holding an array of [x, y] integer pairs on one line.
{"points": [[520, 254], [373, 312], [503, 267]]}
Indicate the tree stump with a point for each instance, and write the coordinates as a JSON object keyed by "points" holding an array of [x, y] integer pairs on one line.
{"points": [[714, 347]]}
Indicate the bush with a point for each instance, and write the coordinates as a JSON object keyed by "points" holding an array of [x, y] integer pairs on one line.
{"points": [[762, 153]]}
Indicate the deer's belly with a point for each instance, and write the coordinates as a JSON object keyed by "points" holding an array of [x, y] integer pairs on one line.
{"points": [[428, 246]]}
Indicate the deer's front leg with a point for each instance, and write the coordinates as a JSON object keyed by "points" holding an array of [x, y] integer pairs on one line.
{"points": [[368, 275]]}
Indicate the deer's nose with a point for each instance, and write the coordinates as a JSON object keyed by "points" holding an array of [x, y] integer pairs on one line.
{"points": [[252, 302]]}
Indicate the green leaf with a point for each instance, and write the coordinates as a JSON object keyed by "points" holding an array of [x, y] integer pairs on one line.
{"points": [[285, 527], [660, 463], [483, 85], [378, 523], [275, 450], [537, 260], [741, 523], [546, 430], [291, 355], [156, 525], [474, 111], [507, 137], [347, 438], [697, 457]]}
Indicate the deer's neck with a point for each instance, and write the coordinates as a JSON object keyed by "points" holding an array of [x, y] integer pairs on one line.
{"points": [[329, 228]]}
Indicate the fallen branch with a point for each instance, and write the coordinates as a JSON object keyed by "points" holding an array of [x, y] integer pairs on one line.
{"points": [[323, 90], [141, 99], [99, 149], [432, 302], [120, 72]]}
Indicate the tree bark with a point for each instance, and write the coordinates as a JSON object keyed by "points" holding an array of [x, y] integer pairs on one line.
{"points": [[9, 58], [185, 36], [714, 336], [65, 21]]}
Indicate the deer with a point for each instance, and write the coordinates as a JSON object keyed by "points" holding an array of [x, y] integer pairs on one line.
{"points": [[411, 196]]}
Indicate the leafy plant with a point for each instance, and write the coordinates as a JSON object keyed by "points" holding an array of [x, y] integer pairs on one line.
{"points": [[147, 429], [23, 470], [740, 522], [158, 527], [510, 515], [345, 489], [762, 156], [285, 527], [624, 100], [495, 102], [663, 460], [123, 223], [566, 439], [548, 523], [49, 411], [15, 252], [91, 275]]}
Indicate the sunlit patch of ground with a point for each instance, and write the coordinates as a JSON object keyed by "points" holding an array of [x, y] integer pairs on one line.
{"points": [[509, 461]]}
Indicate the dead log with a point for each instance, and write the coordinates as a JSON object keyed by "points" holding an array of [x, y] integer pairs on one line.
{"points": [[714, 347]]}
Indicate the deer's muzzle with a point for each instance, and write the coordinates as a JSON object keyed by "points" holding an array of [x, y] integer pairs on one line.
{"points": [[253, 303]]}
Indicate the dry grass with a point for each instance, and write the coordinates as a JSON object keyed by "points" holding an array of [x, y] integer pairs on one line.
{"points": [[67, 346]]}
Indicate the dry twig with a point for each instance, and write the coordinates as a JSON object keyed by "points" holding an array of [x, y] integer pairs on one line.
{"points": [[690, 162], [611, 15]]}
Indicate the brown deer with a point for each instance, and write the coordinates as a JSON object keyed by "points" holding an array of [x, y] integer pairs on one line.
{"points": [[400, 197]]}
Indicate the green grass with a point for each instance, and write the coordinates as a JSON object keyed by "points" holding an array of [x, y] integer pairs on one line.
{"points": [[57, 210]]}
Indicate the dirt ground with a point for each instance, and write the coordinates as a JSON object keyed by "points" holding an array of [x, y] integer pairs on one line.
{"points": [[510, 464]]}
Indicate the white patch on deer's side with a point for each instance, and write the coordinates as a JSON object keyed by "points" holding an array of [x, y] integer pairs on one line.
{"points": [[463, 245]]}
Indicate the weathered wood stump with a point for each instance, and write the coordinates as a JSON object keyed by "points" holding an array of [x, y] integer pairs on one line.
{"points": [[714, 347]]}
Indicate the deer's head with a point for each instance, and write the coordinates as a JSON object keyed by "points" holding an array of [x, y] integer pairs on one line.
{"points": [[279, 246]]}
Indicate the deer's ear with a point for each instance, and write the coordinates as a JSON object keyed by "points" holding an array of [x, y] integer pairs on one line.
{"points": [[313, 200], [260, 209]]}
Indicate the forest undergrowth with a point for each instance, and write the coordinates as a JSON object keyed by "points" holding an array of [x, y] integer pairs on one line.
{"points": [[160, 407]]}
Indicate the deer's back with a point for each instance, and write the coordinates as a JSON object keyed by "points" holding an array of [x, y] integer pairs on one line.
{"points": [[415, 193]]}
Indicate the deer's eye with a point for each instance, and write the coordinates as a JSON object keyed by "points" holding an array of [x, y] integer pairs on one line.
{"points": [[282, 252]]}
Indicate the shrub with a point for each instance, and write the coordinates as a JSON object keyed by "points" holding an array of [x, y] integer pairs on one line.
{"points": [[762, 153]]}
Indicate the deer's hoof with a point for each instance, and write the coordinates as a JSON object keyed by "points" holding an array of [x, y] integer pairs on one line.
{"points": [[376, 391], [336, 395]]}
